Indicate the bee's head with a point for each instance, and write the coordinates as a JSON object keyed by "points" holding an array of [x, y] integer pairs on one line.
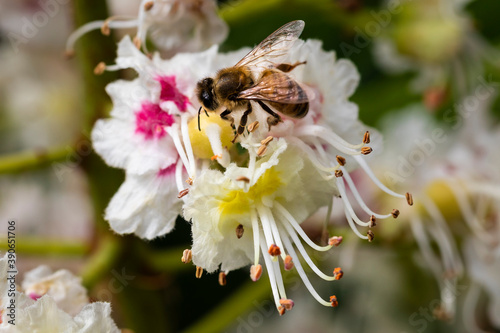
{"points": [[205, 93]]}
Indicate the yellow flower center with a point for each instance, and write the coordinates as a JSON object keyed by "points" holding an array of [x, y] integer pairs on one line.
{"points": [[199, 139]]}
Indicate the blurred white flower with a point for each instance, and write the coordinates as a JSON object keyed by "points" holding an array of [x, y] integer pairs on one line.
{"points": [[172, 25]]}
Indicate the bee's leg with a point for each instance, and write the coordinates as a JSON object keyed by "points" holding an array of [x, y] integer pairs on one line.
{"points": [[289, 67], [274, 119], [244, 119]]}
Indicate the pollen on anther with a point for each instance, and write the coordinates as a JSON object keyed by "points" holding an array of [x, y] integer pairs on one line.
{"points": [[334, 301], [335, 241], [262, 150], [281, 310], [338, 273], [243, 179], [100, 68], [366, 137], [148, 5], [288, 263], [187, 256], [213, 158], [370, 235], [222, 278], [137, 42], [341, 160], [189, 181], [338, 173], [395, 213], [372, 221], [253, 126], [255, 272], [183, 193], [366, 150], [274, 250], [199, 272], [287, 304], [409, 198], [105, 29], [239, 231], [266, 141]]}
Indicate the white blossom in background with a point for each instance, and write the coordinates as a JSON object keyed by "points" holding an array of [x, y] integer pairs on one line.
{"points": [[172, 25], [52, 302], [438, 40], [456, 185]]}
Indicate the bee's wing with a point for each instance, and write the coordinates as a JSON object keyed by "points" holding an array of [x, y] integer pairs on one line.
{"points": [[275, 86], [274, 46]]}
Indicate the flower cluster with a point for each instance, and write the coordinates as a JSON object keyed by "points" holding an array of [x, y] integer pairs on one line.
{"points": [[243, 183], [51, 302]]}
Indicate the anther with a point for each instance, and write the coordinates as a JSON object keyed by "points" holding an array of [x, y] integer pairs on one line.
{"points": [[137, 42], [222, 278], [100, 68], [183, 193], [148, 5], [366, 137], [239, 231], [255, 272], [199, 272], [243, 179], [372, 221], [274, 250], [395, 213], [338, 273], [366, 150], [288, 263], [370, 235], [262, 150], [287, 303], [338, 173], [187, 255], [341, 160], [409, 198], [68, 54], [334, 301], [281, 310], [266, 141], [335, 241], [213, 158], [189, 181], [105, 28], [253, 126]]}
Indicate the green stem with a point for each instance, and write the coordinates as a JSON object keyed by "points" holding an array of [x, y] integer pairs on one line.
{"points": [[33, 159], [102, 261], [39, 246], [236, 305]]}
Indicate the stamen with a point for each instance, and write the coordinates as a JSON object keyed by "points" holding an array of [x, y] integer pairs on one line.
{"points": [[274, 250], [137, 42], [213, 158], [255, 272], [298, 229], [268, 217], [334, 302], [366, 150], [173, 131], [187, 145], [335, 240], [338, 273], [239, 231], [347, 204], [302, 274], [262, 150], [242, 179], [100, 68], [266, 141], [281, 310], [287, 304], [372, 221], [183, 193], [199, 272], [352, 225], [272, 278], [256, 236], [362, 163], [338, 173], [331, 137], [370, 235], [105, 28], [395, 213], [409, 198], [213, 133], [253, 126], [222, 278], [311, 155], [189, 180], [341, 160], [187, 256], [148, 5], [288, 263], [366, 137]]}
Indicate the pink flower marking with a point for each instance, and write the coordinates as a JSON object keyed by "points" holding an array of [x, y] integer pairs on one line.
{"points": [[169, 92], [150, 121], [34, 296], [167, 171]]}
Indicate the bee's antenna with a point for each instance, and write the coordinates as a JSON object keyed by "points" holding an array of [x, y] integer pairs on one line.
{"points": [[199, 112]]}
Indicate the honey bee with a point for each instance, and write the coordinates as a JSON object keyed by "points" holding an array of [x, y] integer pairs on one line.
{"points": [[258, 78]]}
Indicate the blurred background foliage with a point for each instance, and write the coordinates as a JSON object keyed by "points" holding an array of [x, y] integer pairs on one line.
{"points": [[380, 293]]}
